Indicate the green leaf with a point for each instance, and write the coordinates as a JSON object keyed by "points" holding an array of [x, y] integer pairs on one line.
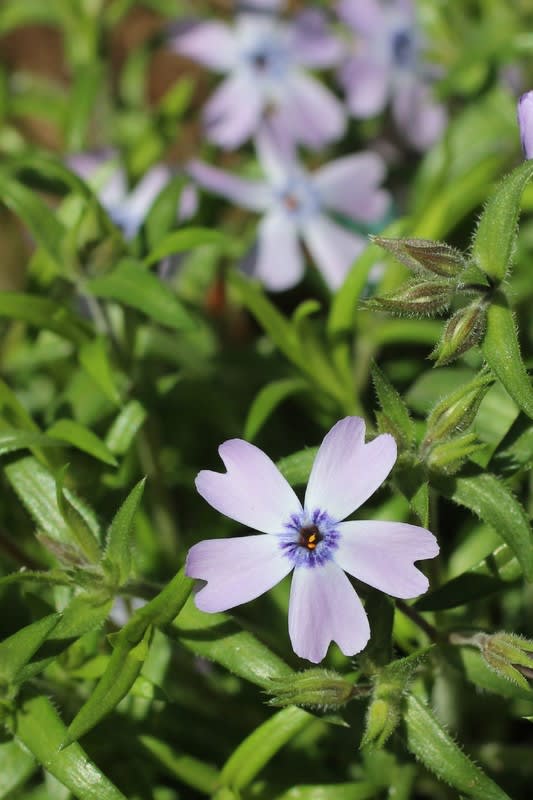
{"points": [[132, 284], [396, 415], [275, 324], [119, 540], [267, 400], [477, 671], [502, 351], [335, 791], [38, 727], [80, 529], [432, 745], [12, 440], [18, 649], [16, 766], [125, 427], [81, 437], [494, 241], [183, 240], [83, 94], [296, 468], [492, 502], [94, 359], [123, 669], [161, 217], [41, 312], [36, 488], [39, 218], [262, 745], [185, 768], [218, 638]]}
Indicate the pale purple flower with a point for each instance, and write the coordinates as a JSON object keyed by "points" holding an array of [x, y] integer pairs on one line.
{"points": [[295, 205], [265, 61], [128, 208], [387, 64], [525, 123], [311, 540]]}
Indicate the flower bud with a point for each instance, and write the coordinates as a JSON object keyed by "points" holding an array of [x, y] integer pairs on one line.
{"points": [[525, 123], [509, 655], [316, 688], [464, 330], [424, 255], [382, 718], [420, 299], [456, 412], [449, 456]]}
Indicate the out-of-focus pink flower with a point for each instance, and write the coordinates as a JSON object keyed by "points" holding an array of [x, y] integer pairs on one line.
{"points": [[265, 61], [387, 63], [311, 541], [128, 208], [295, 206], [525, 123]]}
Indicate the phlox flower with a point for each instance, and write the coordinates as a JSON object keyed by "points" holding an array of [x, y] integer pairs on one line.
{"points": [[296, 206], [525, 123], [265, 61], [127, 207], [312, 540], [387, 63]]}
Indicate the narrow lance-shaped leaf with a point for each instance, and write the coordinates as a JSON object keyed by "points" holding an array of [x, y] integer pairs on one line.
{"points": [[42, 312], [18, 649], [119, 545], [267, 400], [496, 233], [181, 241], [258, 748], [502, 351], [394, 409], [16, 766], [492, 501], [130, 651], [39, 728], [78, 525], [123, 669], [125, 427], [135, 286], [429, 742], [82, 438], [95, 361]]}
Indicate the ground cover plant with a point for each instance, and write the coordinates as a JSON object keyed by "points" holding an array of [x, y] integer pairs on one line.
{"points": [[266, 420]]}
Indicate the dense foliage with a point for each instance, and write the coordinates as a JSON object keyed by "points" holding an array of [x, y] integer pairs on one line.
{"points": [[143, 324]]}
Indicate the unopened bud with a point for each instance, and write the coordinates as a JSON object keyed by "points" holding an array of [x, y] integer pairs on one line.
{"points": [[424, 255], [456, 412], [382, 719], [419, 299], [315, 688], [509, 655], [464, 330], [449, 456]]}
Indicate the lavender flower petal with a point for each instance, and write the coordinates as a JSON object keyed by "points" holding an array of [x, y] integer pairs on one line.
{"points": [[312, 44], [382, 554], [234, 111], [138, 202], [525, 122], [255, 195], [367, 83], [236, 570], [310, 111], [324, 607], [349, 185], [347, 471], [366, 16], [333, 248], [211, 43], [252, 491], [418, 115], [280, 263]]}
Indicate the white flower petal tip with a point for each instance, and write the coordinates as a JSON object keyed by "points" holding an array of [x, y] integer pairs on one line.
{"points": [[346, 471], [258, 561], [252, 491], [325, 608], [525, 123], [383, 555]]}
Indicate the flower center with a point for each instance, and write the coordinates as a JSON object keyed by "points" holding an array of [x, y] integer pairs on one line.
{"points": [[291, 201], [310, 536], [260, 61], [403, 48]]}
